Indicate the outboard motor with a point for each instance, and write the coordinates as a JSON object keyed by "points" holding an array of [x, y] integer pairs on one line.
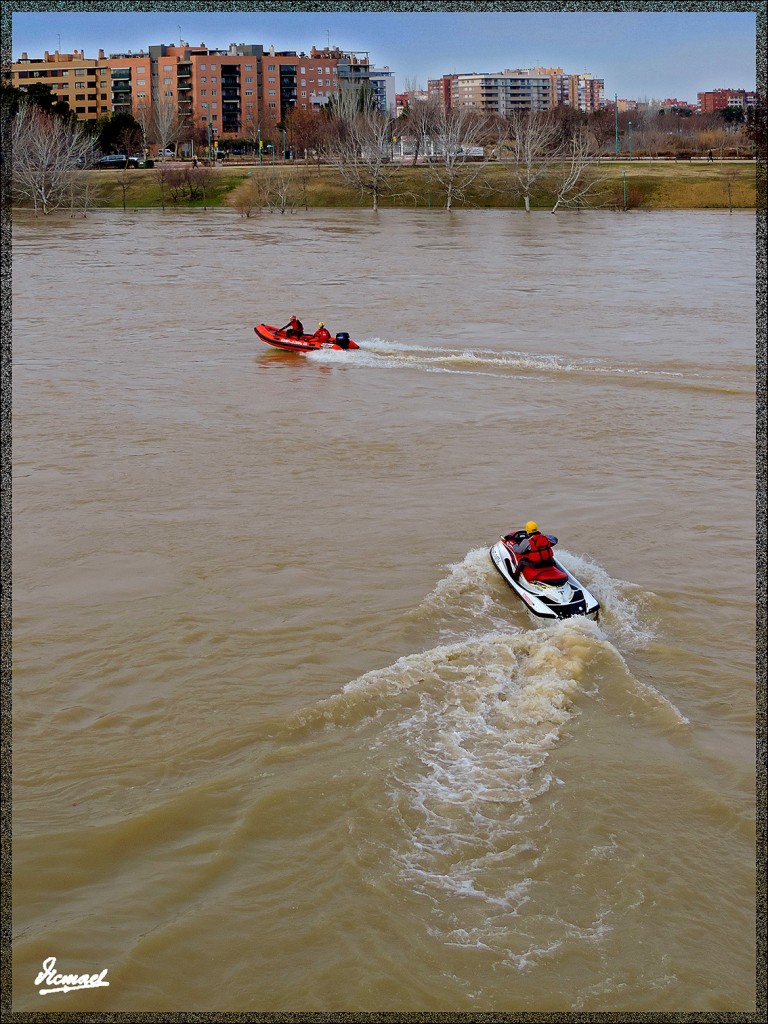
{"points": [[342, 339]]}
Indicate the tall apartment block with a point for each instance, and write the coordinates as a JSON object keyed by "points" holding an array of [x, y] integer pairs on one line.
{"points": [[233, 93], [519, 89]]}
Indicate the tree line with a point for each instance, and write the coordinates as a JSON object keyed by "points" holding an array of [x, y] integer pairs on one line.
{"points": [[558, 150]]}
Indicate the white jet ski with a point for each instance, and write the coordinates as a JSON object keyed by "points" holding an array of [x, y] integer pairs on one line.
{"points": [[548, 591]]}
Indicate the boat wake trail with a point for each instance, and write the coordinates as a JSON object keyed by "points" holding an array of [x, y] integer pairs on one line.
{"points": [[462, 735], [378, 353]]}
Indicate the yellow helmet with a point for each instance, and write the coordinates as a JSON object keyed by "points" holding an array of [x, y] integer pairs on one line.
{"points": [[531, 527], [321, 324]]}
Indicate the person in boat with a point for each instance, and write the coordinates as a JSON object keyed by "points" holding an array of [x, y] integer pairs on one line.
{"points": [[535, 548], [294, 328], [322, 333]]}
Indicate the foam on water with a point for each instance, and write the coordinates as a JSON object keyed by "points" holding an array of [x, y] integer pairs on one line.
{"points": [[465, 731], [385, 354]]}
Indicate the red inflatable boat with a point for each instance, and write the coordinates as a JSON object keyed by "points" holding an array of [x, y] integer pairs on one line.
{"points": [[306, 343]]}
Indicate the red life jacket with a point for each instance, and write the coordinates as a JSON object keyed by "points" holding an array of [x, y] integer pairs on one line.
{"points": [[540, 552]]}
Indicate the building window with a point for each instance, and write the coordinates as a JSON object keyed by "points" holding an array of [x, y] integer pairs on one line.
{"points": [[213, 92], [79, 71], [140, 95], [202, 67], [168, 67], [213, 67], [203, 92], [270, 67], [249, 92], [249, 67], [302, 71], [273, 104], [205, 106], [272, 92], [248, 80], [142, 81], [214, 117], [204, 118], [213, 79], [304, 94], [303, 81], [167, 81], [203, 78], [214, 106], [141, 71]]}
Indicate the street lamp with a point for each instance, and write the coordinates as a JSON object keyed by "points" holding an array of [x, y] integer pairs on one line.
{"points": [[616, 121], [258, 132], [630, 140], [624, 175]]}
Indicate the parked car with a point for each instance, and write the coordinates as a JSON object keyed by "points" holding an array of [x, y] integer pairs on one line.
{"points": [[166, 152], [116, 160]]}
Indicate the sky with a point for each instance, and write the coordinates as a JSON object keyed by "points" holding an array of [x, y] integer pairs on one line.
{"points": [[639, 55]]}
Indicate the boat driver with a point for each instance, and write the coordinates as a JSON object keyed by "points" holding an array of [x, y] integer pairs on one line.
{"points": [[535, 548], [294, 328]]}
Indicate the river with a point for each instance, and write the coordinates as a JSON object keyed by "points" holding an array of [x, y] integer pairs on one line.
{"points": [[283, 738]]}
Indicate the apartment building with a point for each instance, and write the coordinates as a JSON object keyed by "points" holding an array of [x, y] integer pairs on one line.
{"points": [[242, 91], [519, 89], [84, 83], [719, 99]]}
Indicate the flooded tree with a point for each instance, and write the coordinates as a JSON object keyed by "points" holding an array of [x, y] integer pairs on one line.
{"points": [[459, 158], [533, 141], [360, 143], [575, 180]]}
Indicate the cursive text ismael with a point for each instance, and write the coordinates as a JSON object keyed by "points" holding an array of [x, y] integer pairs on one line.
{"points": [[67, 982]]}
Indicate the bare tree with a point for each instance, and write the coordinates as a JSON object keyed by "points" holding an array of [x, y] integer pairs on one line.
{"points": [[276, 189], [728, 176], [575, 180], [124, 179], [417, 122], [167, 125], [457, 133], [49, 155], [361, 147], [533, 143]]}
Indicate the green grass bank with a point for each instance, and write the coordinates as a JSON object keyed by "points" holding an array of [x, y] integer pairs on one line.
{"points": [[640, 185]]}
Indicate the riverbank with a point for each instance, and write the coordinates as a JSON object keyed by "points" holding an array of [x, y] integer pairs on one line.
{"points": [[647, 185]]}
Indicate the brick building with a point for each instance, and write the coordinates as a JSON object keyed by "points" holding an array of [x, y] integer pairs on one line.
{"points": [[243, 91], [719, 99]]}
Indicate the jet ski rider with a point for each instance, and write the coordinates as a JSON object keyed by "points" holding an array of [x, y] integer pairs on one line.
{"points": [[322, 333], [535, 548], [294, 328]]}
